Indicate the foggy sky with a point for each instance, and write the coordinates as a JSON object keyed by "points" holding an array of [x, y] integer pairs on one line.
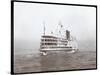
{"points": [[29, 18]]}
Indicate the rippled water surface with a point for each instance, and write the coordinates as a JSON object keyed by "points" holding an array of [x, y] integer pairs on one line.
{"points": [[54, 61]]}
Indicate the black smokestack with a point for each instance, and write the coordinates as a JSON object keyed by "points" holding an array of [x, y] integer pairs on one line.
{"points": [[67, 35]]}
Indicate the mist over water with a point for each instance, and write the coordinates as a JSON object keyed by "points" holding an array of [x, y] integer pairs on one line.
{"points": [[32, 47]]}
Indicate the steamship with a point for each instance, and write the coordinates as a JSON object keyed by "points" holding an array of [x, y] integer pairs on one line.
{"points": [[56, 43]]}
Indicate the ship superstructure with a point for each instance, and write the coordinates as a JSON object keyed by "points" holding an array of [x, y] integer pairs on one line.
{"points": [[55, 43]]}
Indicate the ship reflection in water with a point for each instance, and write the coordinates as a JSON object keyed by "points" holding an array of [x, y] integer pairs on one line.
{"points": [[54, 61]]}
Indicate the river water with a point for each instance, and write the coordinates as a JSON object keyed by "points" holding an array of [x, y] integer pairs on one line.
{"points": [[35, 62]]}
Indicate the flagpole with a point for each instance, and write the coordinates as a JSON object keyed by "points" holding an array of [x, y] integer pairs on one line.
{"points": [[44, 27]]}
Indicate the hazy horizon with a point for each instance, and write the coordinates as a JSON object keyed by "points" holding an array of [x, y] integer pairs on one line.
{"points": [[29, 18]]}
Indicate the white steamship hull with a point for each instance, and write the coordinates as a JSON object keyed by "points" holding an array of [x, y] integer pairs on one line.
{"points": [[56, 49]]}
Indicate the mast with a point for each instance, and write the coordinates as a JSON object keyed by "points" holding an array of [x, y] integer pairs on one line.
{"points": [[44, 28], [60, 28], [59, 32]]}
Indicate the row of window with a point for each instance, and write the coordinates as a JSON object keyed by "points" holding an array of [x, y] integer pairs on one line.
{"points": [[53, 40], [48, 40], [48, 43], [53, 43]]}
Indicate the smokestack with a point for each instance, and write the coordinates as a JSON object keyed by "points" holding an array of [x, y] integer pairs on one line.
{"points": [[67, 35]]}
